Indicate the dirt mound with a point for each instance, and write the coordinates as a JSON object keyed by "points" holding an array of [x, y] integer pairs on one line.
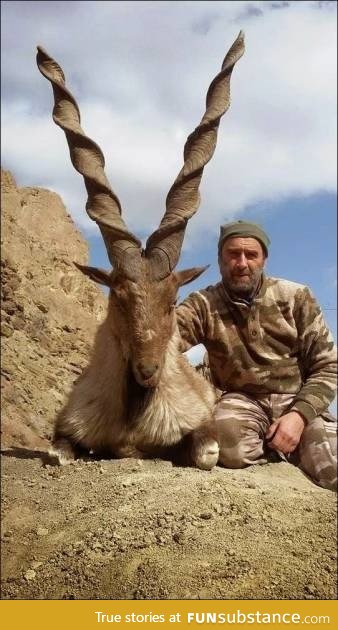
{"points": [[134, 529], [126, 529]]}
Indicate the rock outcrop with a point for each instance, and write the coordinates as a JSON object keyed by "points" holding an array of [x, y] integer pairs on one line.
{"points": [[49, 311]]}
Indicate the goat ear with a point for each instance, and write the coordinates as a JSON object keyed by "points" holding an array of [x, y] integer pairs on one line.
{"points": [[188, 275], [98, 275]]}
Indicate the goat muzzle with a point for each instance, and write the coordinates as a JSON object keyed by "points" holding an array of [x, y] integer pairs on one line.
{"points": [[146, 373]]}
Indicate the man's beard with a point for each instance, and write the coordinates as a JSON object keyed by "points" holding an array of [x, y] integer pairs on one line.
{"points": [[241, 284]]}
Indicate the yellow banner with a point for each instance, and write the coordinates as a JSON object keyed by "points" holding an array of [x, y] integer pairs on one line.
{"points": [[97, 614]]}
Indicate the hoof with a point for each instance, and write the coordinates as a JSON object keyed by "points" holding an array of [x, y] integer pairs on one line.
{"points": [[62, 452], [207, 457]]}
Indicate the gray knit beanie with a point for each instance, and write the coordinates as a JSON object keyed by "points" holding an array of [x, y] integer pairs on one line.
{"points": [[243, 228]]}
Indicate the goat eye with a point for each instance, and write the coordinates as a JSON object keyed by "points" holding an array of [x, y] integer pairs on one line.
{"points": [[119, 296]]}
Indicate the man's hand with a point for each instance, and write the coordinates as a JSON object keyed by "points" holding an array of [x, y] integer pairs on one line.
{"points": [[284, 434]]}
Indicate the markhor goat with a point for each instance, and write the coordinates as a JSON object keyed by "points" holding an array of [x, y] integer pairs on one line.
{"points": [[139, 396]]}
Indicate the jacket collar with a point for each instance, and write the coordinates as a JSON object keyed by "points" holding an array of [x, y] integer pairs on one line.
{"points": [[243, 305]]}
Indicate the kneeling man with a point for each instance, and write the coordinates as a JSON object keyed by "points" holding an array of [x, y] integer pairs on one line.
{"points": [[273, 357]]}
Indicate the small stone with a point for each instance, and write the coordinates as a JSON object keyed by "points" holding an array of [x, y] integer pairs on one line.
{"points": [[6, 330], [18, 322], [328, 568], [310, 588], [36, 564], [30, 575], [97, 545], [206, 515], [68, 328], [43, 308], [10, 307], [42, 531]]}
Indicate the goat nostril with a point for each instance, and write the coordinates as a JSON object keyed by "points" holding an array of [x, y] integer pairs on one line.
{"points": [[147, 370]]}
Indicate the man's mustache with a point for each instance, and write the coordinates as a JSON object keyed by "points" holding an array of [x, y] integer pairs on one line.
{"points": [[243, 274]]}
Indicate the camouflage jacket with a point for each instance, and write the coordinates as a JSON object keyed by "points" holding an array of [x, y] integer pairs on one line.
{"points": [[278, 344]]}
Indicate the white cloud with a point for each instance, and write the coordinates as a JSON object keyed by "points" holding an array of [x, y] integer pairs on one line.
{"points": [[141, 86], [195, 355]]}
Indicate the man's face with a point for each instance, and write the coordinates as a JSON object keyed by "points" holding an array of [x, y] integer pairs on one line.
{"points": [[242, 261]]}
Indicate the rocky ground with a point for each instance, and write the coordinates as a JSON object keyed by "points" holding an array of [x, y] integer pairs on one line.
{"points": [[133, 529], [126, 529]]}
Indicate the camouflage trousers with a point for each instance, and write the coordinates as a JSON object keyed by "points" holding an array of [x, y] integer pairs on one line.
{"points": [[243, 420]]}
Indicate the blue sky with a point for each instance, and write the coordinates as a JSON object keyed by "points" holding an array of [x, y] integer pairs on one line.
{"points": [[140, 72]]}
